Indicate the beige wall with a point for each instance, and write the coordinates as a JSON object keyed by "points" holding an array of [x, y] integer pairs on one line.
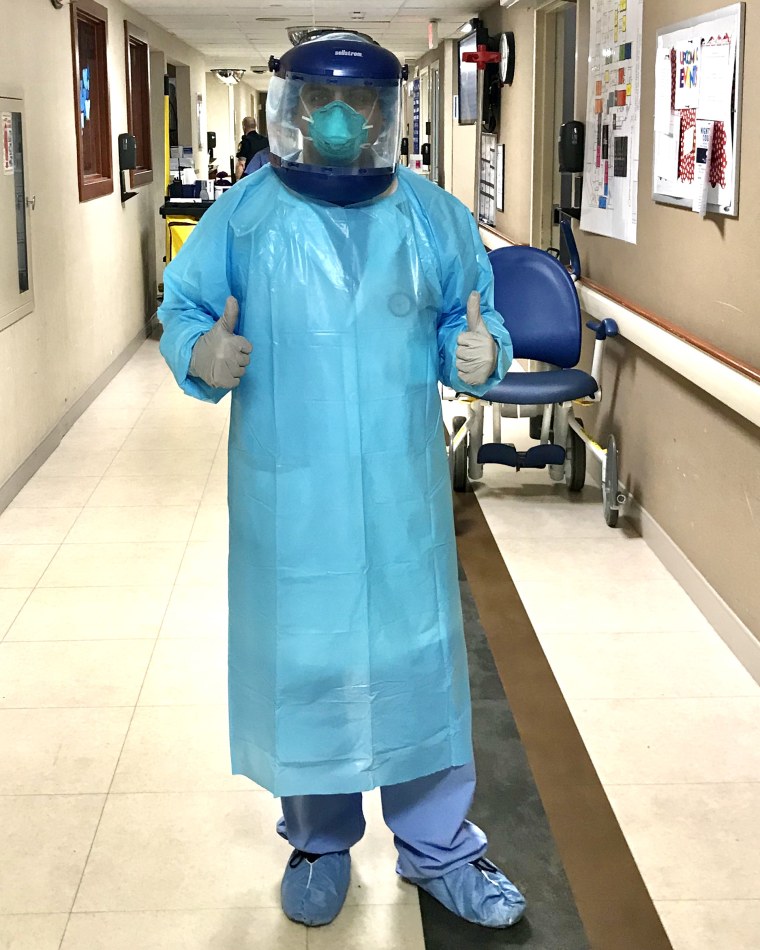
{"points": [[218, 119], [457, 142], [693, 465], [228, 134], [700, 274], [440, 57], [462, 144], [94, 264]]}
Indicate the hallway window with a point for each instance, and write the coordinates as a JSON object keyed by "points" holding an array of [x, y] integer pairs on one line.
{"points": [[138, 100], [89, 29]]}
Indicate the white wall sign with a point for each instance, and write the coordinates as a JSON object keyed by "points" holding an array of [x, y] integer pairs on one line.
{"points": [[7, 133], [487, 180]]}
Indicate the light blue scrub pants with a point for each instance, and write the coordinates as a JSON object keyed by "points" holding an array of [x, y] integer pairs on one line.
{"points": [[428, 818]]}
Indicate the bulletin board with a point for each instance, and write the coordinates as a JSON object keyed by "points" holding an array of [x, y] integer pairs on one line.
{"points": [[698, 83]]}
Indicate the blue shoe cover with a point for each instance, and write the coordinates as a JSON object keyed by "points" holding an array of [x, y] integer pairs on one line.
{"points": [[478, 892], [314, 887]]}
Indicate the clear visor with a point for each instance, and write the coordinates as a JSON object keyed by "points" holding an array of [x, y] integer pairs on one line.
{"points": [[344, 124]]}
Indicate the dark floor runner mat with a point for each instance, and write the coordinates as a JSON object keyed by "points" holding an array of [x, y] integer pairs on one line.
{"points": [[508, 808]]}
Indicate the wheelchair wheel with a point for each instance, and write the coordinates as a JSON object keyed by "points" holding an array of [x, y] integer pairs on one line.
{"points": [[610, 487], [459, 467], [575, 460]]}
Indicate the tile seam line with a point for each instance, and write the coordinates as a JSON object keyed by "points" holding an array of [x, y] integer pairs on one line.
{"points": [[25, 601]]}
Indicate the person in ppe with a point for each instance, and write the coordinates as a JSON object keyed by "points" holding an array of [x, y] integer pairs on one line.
{"points": [[330, 292]]}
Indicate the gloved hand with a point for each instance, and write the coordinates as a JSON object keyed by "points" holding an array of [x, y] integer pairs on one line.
{"points": [[220, 357], [477, 352]]}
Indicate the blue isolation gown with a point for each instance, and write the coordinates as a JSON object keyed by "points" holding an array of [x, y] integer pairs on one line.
{"points": [[347, 663]]}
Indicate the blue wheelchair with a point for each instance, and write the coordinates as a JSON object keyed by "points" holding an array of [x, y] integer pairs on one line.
{"points": [[536, 296]]}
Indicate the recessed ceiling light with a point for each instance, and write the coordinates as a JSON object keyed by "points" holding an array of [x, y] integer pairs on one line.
{"points": [[271, 19]]}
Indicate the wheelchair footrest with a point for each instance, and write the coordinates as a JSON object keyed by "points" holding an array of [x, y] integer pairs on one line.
{"points": [[538, 456]]}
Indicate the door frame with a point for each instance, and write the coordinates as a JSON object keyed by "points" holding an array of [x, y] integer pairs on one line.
{"points": [[24, 304], [434, 112], [549, 64]]}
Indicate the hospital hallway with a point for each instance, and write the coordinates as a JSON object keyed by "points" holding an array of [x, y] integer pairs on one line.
{"points": [[318, 320], [609, 791]]}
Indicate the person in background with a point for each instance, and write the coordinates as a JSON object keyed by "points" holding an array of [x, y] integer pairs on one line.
{"points": [[251, 143], [260, 159]]}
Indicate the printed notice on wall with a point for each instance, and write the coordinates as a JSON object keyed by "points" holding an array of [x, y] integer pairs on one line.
{"points": [[611, 161], [487, 183], [7, 123]]}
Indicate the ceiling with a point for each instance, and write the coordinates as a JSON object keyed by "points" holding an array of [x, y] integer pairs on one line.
{"points": [[243, 35]]}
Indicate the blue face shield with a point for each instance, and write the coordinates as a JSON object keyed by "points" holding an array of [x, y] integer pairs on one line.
{"points": [[338, 132]]}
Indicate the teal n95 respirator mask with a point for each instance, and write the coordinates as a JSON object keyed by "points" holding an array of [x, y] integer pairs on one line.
{"points": [[338, 132]]}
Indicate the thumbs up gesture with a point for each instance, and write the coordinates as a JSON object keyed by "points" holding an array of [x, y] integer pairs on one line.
{"points": [[476, 349], [220, 357]]}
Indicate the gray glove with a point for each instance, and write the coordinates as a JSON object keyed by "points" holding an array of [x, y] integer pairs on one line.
{"points": [[477, 352], [220, 357]]}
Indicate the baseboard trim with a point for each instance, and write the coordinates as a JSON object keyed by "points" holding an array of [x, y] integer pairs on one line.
{"points": [[730, 628], [52, 440]]}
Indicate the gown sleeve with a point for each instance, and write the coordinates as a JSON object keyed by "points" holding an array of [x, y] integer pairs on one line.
{"points": [[196, 286], [465, 267]]}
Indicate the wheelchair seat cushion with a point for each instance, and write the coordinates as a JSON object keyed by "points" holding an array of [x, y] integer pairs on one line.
{"points": [[548, 386]]}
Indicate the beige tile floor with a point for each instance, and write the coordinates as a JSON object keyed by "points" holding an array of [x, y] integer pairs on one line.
{"points": [[121, 827], [670, 717]]}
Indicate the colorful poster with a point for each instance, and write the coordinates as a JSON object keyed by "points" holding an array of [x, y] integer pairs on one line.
{"points": [[611, 161], [687, 75]]}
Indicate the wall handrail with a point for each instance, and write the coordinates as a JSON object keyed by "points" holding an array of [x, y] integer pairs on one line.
{"points": [[725, 377], [503, 239], [722, 356]]}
